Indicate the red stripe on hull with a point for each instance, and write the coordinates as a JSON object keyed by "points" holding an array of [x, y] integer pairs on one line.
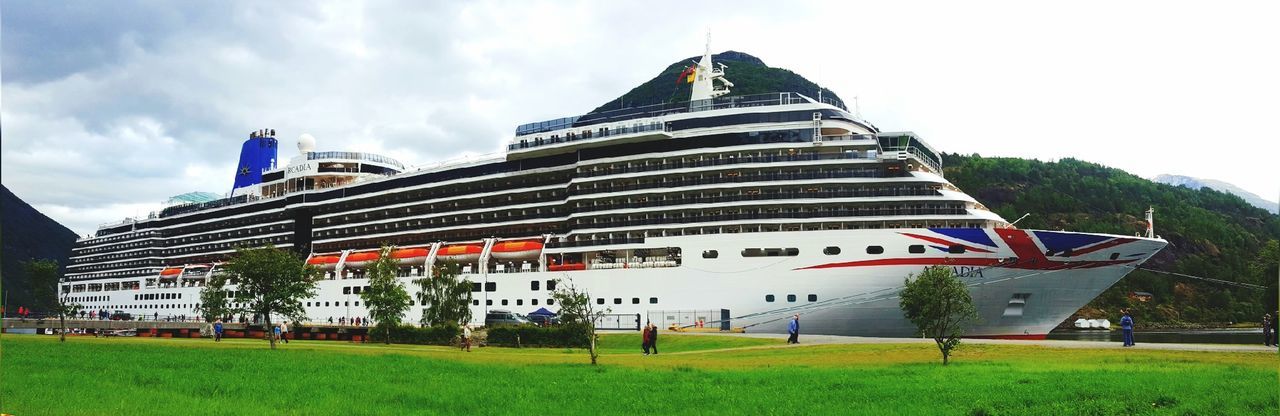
{"points": [[1033, 337], [923, 261]]}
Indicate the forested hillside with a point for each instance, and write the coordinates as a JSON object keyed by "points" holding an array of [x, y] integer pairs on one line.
{"points": [[1211, 234], [27, 235], [749, 75]]}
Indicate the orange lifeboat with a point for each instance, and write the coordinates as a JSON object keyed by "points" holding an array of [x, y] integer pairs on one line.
{"points": [[459, 253], [171, 272], [410, 256], [361, 259], [325, 263], [516, 250]]}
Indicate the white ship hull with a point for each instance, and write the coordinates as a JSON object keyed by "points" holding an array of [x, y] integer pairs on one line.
{"points": [[1018, 290]]}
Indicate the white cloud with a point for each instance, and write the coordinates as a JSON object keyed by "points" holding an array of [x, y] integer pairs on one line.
{"points": [[111, 107]]}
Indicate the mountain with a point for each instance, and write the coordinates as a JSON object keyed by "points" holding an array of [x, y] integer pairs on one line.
{"points": [[1220, 186], [749, 75], [1211, 234], [26, 234]]}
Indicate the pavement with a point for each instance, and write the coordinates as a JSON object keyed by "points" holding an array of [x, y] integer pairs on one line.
{"points": [[1051, 343]]}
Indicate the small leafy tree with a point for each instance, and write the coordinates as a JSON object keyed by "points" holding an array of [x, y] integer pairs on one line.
{"points": [[214, 303], [576, 309], [44, 276], [385, 298], [939, 304], [445, 297], [271, 281]]}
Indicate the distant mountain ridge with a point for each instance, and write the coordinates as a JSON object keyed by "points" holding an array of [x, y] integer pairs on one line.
{"points": [[1220, 186], [749, 74], [27, 234]]}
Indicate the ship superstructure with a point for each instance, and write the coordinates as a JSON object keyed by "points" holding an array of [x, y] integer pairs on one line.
{"points": [[753, 207]]}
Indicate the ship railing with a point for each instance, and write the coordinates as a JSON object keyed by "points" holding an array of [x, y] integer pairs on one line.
{"points": [[656, 110], [808, 157], [790, 194], [596, 242], [588, 135], [745, 178], [835, 213]]}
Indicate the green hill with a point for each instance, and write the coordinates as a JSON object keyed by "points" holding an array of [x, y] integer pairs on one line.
{"points": [[27, 235], [1211, 233], [749, 75]]}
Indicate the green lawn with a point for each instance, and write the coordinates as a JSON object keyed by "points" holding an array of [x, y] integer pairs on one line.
{"points": [[694, 374]]}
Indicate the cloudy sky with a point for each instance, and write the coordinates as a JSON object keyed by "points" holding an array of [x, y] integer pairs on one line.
{"points": [[109, 108]]}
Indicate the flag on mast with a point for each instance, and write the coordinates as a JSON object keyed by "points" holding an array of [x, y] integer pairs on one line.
{"points": [[688, 74]]}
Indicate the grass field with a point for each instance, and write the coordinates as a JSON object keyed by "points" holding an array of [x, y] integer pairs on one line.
{"points": [[693, 375]]}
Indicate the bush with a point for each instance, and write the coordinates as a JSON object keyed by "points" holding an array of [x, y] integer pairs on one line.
{"points": [[557, 336], [408, 334]]}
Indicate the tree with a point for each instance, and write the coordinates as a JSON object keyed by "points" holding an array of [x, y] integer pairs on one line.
{"points": [[213, 299], [271, 281], [576, 309], [44, 276], [385, 297], [445, 297], [938, 303]]}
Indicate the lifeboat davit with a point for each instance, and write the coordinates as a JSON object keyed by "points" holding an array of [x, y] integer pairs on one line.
{"points": [[410, 256], [361, 259], [326, 263], [460, 253], [516, 250], [171, 272]]}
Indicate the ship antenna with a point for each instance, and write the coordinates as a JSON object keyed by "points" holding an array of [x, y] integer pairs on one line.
{"points": [[1024, 216], [1151, 222]]}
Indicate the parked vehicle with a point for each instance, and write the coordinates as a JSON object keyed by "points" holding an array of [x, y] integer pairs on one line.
{"points": [[503, 317], [121, 316]]}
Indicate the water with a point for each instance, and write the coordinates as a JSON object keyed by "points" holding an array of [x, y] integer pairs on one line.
{"points": [[1181, 336]]}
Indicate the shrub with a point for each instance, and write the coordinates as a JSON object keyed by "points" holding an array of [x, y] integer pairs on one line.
{"points": [[566, 335], [408, 334]]}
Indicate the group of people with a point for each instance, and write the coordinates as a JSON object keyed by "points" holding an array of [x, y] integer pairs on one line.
{"points": [[649, 339], [357, 321]]}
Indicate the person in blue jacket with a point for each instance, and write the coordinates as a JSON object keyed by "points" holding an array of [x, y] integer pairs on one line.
{"points": [[793, 330], [217, 331], [1126, 325]]}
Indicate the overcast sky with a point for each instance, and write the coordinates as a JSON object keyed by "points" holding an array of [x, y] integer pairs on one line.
{"points": [[109, 108]]}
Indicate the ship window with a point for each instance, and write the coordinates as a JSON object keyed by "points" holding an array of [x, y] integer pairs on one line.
{"points": [[653, 300], [551, 302], [475, 302], [533, 302], [490, 286], [831, 251], [710, 254], [915, 249], [956, 249], [813, 297], [599, 301], [1115, 256], [875, 250], [534, 285], [475, 287], [768, 298], [770, 252], [791, 298], [551, 285], [346, 290], [357, 303], [504, 302], [326, 304], [519, 302], [488, 302], [635, 301]]}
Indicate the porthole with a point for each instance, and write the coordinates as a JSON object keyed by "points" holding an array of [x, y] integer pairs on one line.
{"points": [[791, 298], [875, 250], [635, 301], [710, 254], [915, 249], [1115, 256], [813, 297], [831, 251], [768, 298], [653, 300], [599, 301], [956, 249]]}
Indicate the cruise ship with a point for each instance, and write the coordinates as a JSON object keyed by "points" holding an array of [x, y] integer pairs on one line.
{"points": [[723, 211]]}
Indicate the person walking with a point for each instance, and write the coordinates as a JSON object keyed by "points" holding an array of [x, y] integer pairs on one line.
{"points": [[275, 331], [644, 339], [793, 330], [217, 330], [1267, 335], [466, 338], [1126, 326], [284, 331], [653, 339]]}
